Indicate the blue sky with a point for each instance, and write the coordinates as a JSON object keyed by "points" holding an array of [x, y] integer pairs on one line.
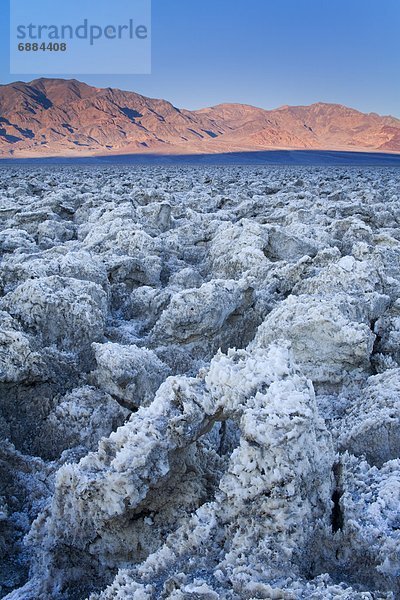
{"points": [[263, 52]]}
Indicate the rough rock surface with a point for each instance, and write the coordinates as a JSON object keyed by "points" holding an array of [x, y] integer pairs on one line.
{"points": [[199, 383]]}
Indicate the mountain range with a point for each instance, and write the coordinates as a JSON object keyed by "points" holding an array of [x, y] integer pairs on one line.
{"points": [[58, 117]]}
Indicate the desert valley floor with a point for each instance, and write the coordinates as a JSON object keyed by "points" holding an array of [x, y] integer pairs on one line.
{"points": [[200, 383]]}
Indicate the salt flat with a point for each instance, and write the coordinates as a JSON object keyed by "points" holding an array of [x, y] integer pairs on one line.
{"points": [[200, 382]]}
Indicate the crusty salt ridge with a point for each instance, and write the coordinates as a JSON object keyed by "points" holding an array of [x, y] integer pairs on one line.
{"points": [[199, 376]]}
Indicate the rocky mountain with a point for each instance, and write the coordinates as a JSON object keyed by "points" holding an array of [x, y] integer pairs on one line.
{"points": [[67, 117]]}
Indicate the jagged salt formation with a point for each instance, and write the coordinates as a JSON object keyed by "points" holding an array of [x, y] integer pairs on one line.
{"points": [[199, 374]]}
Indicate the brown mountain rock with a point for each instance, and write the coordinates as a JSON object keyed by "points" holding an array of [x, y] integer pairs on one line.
{"points": [[50, 117]]}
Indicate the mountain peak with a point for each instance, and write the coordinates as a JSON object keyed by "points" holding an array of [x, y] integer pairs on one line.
{"points": [[50, 116]]}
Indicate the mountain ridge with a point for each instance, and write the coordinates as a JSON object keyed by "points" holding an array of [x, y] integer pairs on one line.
{"points": [[60, 117]]}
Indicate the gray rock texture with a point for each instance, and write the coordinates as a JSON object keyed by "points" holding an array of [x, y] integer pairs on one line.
{"points": [[199, 383]]}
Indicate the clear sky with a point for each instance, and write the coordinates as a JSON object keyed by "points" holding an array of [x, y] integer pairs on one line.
{"points": [[263, 52]]}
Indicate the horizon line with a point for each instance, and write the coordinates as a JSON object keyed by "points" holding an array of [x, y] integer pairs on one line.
{"points": [[210, 106]]}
